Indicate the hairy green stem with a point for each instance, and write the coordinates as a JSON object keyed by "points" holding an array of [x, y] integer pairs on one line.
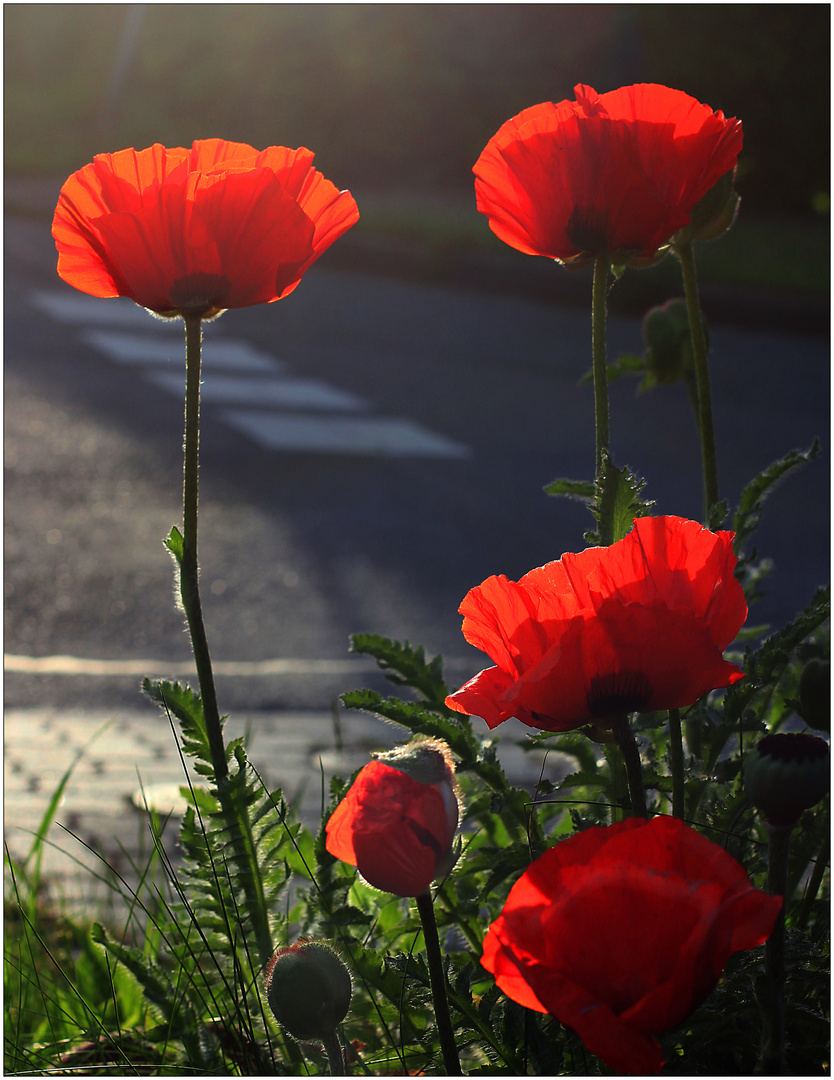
{"points": [[434, 957], [676, 756], [600, 363], [815, 880], [189, 570], [709, 461], [335, 1054], [190, 592], [634, 769], [771, 986]]}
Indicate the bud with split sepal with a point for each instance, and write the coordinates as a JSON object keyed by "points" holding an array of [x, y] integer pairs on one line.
{"points": [[398, 821]]}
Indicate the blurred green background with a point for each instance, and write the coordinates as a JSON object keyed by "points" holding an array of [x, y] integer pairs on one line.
{"points": [[402, 97]]}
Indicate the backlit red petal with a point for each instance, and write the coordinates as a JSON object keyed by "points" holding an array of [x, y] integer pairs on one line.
{"points": [[149, 223], [483, 695], [621, 931]]}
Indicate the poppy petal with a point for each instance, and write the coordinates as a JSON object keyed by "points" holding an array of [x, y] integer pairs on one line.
{"points": [[621, 931], [167, 227]]}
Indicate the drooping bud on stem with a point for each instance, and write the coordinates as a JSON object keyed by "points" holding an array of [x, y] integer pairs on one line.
{"points": [[398, 821]]}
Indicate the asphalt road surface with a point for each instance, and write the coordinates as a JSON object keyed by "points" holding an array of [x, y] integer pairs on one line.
{"points": [[371, 449]]}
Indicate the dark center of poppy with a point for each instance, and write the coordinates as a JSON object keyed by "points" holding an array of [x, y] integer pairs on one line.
{"points": [[618, 693], [197, 293], [588, 230]]}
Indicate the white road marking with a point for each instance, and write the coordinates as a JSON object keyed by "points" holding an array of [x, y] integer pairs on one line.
{"points": [[343, 435], [74, 307], [112, 327], [217, 352], [82, 665], [286, 393], [78, 665]]}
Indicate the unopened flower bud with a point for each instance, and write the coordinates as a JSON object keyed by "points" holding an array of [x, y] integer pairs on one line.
{"points": [[815, 694], [308, 989], [715, 213], [786, 774], [668, 341], [398, 821]]}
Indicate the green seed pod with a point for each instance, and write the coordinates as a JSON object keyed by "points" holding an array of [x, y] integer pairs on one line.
{"points": [[308, 989], [815, 694], [786, 774]]}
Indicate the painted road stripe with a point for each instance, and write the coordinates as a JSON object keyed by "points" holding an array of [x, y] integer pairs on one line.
{"points": [[273, 429], [286, 393], [78, 308], [217, 352], [77, 665], [342, 435]]}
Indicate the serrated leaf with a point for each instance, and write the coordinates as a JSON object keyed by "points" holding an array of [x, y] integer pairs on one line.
{"points": [[749, 513], [616, 503], [187, 706], [764, 666], [405, 665], [454, 729]]}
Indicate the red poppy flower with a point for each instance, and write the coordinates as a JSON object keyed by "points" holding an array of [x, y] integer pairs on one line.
{"points": [[619, 172], [218, 226], [398, 820], [621, 931], [640, 625]]}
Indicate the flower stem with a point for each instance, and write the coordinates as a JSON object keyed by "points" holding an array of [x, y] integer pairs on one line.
{"points": [[771, 986], [600, 360], [189, 570], [676, 755], [634, 769], [815, 880], [335, 1054], [448, 1045], [709, 462]]}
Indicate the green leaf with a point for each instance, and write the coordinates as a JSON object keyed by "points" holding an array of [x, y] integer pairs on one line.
{"points": [[404, 665], [616, 503], [173, 541], [454, 730], [571, 489], [764, 666], [187, 707], [626, 364], [749, 513]]}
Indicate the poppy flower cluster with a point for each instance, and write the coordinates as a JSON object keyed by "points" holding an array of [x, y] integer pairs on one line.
{"points": [[621, 931], [398, 821], [636, 626], [218, 226], [617, 173]]}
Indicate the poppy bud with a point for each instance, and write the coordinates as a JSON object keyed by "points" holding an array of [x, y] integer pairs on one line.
{"points": [[815, 694], [715, 213], [398, 822], [668, 341], [786, 774], [308, 989]]}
